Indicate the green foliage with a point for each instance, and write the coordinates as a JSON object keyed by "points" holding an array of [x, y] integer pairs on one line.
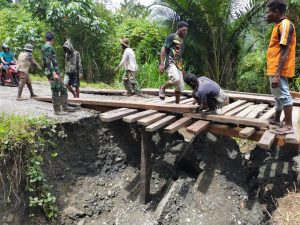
{"points": [[87, 23], [146, 38], [25, 142], [17, 27], [214, 29]]}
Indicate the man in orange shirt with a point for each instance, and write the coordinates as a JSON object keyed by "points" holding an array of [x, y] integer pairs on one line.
{"points": [[281, 62]]}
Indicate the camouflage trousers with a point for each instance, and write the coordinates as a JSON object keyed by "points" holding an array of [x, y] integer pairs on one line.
{"points": [[130, 83], [59, 95]]}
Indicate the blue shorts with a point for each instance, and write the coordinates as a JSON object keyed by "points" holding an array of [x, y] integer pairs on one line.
{"points": [[5, 67], [282, 94], [72, 79]]}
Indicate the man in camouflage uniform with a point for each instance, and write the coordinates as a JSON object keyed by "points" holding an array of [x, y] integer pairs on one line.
{"points": [[73, 69], [59, 91], [25, 60]]}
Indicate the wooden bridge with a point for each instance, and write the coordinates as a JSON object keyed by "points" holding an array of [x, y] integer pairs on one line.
{"points": [[247, 116]]}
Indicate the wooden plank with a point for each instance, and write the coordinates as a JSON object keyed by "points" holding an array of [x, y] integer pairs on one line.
{"points": [[295, 94], [185, 121], [145, 175], [294, 138], [232, 106], [186, 101], [229, 119], [270, 113], [247, 132], [116, 116], [266, 140], [252, 97], [114, 111], [103, 91], [198, 127], [256, 111], [151, 119], [129, 104], [135, 117], [238, 109], [229, 131], [246, 111], [160, 123]]}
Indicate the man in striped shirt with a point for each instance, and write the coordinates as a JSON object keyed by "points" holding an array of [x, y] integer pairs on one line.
{"points": [[281, 62]]}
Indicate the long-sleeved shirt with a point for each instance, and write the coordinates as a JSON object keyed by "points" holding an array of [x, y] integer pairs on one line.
{"points": [[207, 88], [49, 59], [128, 60]]}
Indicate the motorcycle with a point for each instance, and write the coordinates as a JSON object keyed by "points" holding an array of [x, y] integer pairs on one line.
{"points": [[10, 76]]}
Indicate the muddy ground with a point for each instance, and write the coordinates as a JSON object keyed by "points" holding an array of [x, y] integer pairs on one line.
{"points": [[96, 174]]}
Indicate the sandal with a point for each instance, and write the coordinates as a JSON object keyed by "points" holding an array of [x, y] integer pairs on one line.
{"points": [[282, 130]]}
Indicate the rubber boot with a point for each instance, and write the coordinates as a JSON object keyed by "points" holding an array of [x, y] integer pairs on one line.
{"points": [[32, 95], [56, 106], [20, 90], [177, 97], [64, 104]]}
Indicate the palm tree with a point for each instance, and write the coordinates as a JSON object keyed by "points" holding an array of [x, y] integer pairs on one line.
{"points": [[214, 30]]}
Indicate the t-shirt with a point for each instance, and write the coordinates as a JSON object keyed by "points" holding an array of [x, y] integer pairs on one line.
{"points": [[283, 34], [207, 88], [24, 62], [7, 56], [174, 48]]}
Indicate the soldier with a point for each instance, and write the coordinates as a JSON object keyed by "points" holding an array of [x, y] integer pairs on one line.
{"points": [[73, 69], [25, 60], [59, 91]]}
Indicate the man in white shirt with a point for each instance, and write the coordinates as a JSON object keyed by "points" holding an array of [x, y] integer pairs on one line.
{"points": [[130, 66]]}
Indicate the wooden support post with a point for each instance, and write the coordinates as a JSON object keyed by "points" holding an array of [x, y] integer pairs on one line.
{"points": [[145, 166]]}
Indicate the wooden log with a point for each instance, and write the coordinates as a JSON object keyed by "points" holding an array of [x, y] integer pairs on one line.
{"points": [[238, 109], [257, 110], [270, 113], [129, 104], [161, 123], [135, 117], [229, 119], [151, 119], [232, 106], [185, 121], [145, 176], [198, 127], [117, 116], [247, 132], [266, 140], [246, 111]]}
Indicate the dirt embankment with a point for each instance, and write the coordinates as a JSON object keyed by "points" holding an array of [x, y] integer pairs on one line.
{"points": [[95, 178]]}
